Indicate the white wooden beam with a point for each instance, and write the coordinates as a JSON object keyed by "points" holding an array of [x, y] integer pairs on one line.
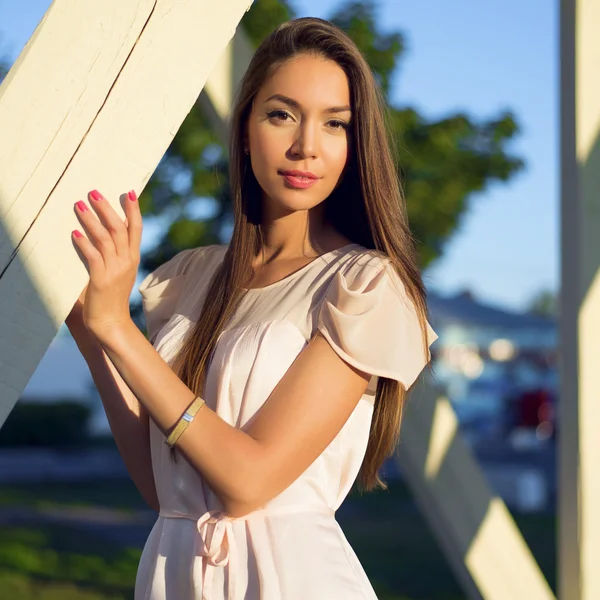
{"points": [[93, 101], [579, 408], [51, 97], [479, 537]]}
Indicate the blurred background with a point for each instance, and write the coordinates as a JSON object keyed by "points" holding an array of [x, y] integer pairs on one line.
{"points": [[473, 92]]}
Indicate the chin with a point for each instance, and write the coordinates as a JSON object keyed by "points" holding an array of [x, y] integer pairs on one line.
{"points": [[296, 201], [293, 199]]}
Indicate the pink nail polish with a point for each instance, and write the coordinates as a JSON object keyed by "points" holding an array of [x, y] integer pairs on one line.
{"points": [[132, 196], [95, 194], [77, 233], [81, 206]]}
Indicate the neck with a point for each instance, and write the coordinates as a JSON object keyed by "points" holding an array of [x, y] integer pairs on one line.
{"points": [[297, 234]]}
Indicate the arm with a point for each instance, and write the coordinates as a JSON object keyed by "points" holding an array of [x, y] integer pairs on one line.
{"points": [[304, 413], [127, 418], [245, 468]]}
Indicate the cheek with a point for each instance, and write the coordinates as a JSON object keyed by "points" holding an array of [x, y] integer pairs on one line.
{"points": [[268, 139], [335, 154], [267, 149]]}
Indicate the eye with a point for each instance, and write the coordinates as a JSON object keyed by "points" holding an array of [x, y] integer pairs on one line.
{"points": [[279, 115], [335, 124]]}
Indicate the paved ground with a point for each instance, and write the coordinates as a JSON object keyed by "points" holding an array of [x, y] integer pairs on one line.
{"points": [[32, 464], [124, 528]]}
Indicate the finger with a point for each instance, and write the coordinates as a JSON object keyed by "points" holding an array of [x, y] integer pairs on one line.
{"points": [[96, 232], [112, 223], [133, 222], [92, 255]]}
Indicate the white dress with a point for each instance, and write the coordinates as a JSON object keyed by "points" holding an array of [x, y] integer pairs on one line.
{"points": [[293, 548]]}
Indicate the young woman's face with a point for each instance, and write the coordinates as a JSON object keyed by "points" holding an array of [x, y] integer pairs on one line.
{"points": [[298, 133]]}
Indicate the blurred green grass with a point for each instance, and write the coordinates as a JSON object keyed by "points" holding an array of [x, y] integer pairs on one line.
{"points": [[385, 528], [62, 562]]}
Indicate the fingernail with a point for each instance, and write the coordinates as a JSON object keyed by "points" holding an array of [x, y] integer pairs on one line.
{"points": [[77, 233], [81, 206], [132, 196], [95, 194]]}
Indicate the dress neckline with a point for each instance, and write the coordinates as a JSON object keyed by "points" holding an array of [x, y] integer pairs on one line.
{"points": [[298, 272]]}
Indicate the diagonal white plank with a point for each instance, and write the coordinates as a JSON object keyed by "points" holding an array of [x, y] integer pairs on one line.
{"points": [[106, 130], [51, 97], [473, 527]]}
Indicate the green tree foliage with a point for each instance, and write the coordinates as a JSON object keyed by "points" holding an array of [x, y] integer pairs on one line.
{"points": [[441, 162], [544, 304], [264, 16]]}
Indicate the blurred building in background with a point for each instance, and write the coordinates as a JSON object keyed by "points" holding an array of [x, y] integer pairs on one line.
{"points": [[498, 368]]}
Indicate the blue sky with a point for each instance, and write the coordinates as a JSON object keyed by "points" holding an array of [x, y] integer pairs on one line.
{"points": [[480, 58]]}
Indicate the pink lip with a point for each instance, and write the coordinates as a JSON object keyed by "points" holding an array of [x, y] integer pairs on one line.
{"points": [[299, 179], [299, 174]]}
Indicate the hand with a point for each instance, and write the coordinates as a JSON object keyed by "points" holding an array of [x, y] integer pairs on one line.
{"points": [[112, 255]]}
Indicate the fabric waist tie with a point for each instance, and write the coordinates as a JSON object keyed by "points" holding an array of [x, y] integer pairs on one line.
{"points": [[219, 548]]}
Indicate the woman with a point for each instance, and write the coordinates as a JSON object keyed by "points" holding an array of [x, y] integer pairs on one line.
{"points": [[290, 349]]}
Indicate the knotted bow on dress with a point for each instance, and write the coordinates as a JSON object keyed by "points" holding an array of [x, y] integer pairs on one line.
{"points": [[216, 540]]}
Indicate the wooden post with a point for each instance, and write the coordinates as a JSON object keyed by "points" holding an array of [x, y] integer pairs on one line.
{"points": [[579, 410], [93, 101]]}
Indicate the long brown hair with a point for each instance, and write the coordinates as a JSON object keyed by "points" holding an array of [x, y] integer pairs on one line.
{"points": [[367, 207]]}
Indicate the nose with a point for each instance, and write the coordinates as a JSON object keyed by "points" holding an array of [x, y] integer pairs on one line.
{"points": [[307, 141]]}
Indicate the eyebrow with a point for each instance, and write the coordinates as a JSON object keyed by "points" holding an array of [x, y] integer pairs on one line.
{"points": [[294, 104]]}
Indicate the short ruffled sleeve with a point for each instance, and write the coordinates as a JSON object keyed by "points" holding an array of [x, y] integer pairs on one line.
{"points": [[371, 323], [161, 289]]}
